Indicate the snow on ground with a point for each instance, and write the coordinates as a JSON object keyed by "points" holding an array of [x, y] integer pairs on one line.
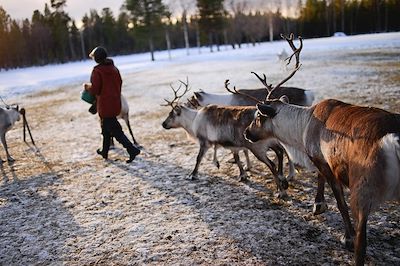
{"points": [[60, 203]]}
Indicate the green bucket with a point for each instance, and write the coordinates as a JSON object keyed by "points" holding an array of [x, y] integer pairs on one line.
{"points": [[87, 97]]}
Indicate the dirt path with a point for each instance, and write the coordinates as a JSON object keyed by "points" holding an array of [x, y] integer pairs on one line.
{"points": [[60, 203]]}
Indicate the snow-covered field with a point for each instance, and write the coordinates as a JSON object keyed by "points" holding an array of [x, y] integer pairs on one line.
{"points": [[60, 203]]}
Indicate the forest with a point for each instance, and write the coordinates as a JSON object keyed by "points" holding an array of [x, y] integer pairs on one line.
{"points": [[52, 36]]}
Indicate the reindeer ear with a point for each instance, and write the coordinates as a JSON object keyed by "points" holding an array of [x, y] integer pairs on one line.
{"points": [[266, 110], [284, 99], [178, 110], [197, 95]]}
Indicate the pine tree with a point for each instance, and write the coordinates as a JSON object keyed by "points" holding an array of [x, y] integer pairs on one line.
{"points": [[212, 15], [147, 15], [4, 43]]}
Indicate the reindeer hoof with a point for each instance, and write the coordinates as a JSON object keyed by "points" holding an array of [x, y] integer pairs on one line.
{"points": [[10, 159], [216, 164], [281, 194], [284, 184], [232, 160], [319, 207], [290, 177], [193, 176], [348, 243], [243, 178]]}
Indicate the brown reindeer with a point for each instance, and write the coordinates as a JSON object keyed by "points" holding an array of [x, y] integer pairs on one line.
{"points": [[222, 126], [353, 146]]}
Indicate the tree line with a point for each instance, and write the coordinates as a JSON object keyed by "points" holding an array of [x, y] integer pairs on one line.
{"points": [[52, 36]]}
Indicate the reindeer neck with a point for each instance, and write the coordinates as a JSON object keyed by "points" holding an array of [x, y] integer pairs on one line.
{"points": [[188, 116], [294, 120]]}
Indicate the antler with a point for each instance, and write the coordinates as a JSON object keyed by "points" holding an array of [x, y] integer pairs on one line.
{"points": [[177, 97], [264, 81], [6, 105], [235, 91], [296, 53]]}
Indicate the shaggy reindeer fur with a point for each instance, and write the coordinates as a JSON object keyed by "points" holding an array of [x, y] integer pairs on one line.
{"points": [[353, 146], [224, 126]]}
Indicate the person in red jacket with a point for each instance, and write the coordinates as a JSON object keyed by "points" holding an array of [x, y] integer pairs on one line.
{"points": [[106, 85]]}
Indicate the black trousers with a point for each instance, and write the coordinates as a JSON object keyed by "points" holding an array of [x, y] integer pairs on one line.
{"points": [[110, 127]]}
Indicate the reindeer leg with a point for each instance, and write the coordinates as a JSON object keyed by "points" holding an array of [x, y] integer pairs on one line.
{"points": [[360, 212], [337, 189], [200, 155], [279, 154], [4, 142], [215, 159], [243, 176], [282, 185], [292, 169], [320, 205], [126, 119], [248, 163]]}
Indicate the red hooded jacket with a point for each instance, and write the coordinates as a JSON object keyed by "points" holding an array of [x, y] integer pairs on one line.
{"points": [[106, 86]]}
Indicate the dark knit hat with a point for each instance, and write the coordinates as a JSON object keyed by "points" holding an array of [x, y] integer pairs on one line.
{"points": [[99, 54]]}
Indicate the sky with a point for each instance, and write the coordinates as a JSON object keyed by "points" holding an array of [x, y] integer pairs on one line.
{"points": [[76, 9], [21, 9]]}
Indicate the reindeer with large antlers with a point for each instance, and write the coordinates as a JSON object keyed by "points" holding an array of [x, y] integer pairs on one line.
{"points": [[275, 92], [222, 126], [349, 145]]}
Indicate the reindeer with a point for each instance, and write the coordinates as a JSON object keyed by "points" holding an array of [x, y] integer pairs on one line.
{"points": [[124, 115], [353, 146], [299, 97], [349, 145], [222, 126], [241, 97], [8, 116]]}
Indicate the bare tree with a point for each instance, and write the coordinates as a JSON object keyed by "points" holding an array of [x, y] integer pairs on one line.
{"points": [[237, 8], [183, 9], [271, 7]]}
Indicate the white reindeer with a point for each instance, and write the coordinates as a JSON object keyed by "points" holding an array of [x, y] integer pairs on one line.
{"points": [[223, 126], [8, 116]]}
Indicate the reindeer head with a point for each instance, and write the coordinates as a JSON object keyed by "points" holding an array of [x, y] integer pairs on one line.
{"points": [[13, 111], [263, 123], [174, 117]]}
